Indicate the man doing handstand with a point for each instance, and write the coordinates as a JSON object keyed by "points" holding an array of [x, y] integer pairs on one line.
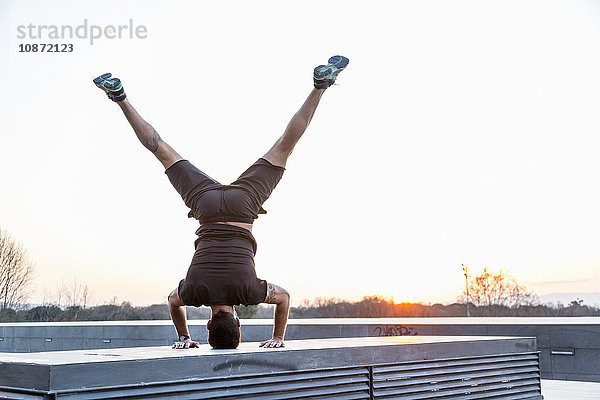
{"points": [[222, 272]]}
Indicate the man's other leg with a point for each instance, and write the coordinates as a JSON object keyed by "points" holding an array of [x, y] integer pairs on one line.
{"points": [[284, 146], [148, 136], [185, 178]]}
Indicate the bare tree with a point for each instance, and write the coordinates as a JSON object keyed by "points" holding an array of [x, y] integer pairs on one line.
{"points": [[86, 295], [75, 293], [499, 288], [16, 272], [60, 292], [48, 298]]}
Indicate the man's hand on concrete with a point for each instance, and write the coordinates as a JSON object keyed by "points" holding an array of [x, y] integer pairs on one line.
{"points": [[185, 344], [274, 342], [281, 298]]}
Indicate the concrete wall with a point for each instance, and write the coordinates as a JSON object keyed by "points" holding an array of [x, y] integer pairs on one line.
{"points": [[569, 347]]}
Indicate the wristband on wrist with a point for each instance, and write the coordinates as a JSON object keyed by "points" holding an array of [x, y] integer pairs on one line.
{"points": [[183, 337]]}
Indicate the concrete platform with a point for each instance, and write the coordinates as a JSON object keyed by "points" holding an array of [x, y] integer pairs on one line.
{"points": [[407, 367], [569, 347]]}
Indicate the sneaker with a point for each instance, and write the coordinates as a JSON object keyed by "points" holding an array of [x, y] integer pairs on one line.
{"points": [[111, 86], [325, 75]]}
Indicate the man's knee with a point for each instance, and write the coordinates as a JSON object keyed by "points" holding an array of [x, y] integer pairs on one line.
{"points": [[279, 154], [167, 155]]}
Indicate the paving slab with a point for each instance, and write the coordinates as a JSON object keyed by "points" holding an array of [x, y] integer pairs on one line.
{"points": [[569, 390]]}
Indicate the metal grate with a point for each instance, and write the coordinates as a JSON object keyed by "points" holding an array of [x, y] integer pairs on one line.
{"points": [[343, 384], [507, 377]]}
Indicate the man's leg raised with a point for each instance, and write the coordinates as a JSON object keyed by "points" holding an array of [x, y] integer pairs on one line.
{"points": [[148, 136], [324, 76], [144, 131], [281, 150]]}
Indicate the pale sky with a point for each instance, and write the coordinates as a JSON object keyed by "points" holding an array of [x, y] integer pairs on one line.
{"points": [[461, 132]]}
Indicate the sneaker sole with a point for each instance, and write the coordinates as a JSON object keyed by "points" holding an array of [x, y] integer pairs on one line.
{"points": [[334, 66], [339, 62], [101, 78], [100, 82]]}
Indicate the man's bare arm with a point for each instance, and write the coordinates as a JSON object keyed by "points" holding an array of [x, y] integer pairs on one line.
{"points": [[177, 311], [281, 298]]}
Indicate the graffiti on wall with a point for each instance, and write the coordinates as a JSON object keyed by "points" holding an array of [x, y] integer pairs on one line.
{"points": [[394, 330]]}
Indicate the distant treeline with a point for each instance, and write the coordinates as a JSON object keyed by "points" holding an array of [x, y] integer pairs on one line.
{"points": [[368, 307], [378, 307]]}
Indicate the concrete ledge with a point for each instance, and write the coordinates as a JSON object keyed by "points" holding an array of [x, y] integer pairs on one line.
{"points": [[338, 368], [569, 347]]}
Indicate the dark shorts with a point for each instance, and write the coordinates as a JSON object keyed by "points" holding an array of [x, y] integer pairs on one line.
{"points": [[222, 270], [210, 201]]}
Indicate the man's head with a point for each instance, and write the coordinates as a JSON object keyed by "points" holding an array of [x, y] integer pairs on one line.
{"points": [[223, 330]]}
